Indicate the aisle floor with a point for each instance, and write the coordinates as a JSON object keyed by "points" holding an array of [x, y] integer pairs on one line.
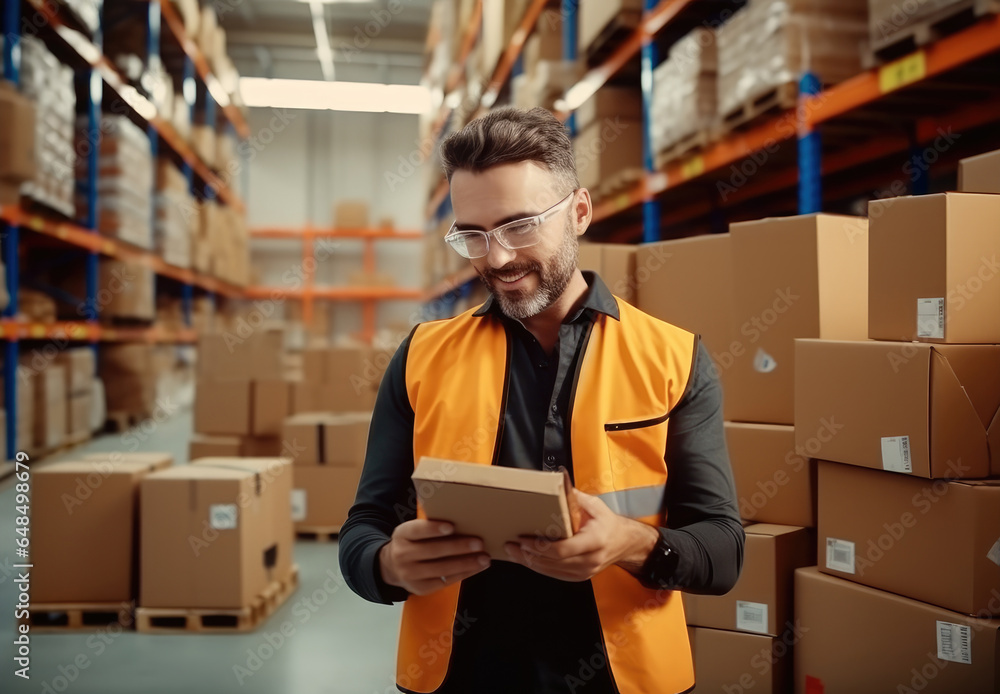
{"points": [[339, 643]]}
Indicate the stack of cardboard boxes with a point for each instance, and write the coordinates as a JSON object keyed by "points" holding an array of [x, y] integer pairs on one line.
{"points": [[129, 376], [684, 95], [750, 294], [17, 143], [908, 543], [608, 144], [176, 214], [55, 394], [79, 365], [614, 263], [546, 76]]}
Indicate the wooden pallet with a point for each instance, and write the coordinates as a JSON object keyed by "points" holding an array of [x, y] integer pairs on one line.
{"points": [[612, 35], [174, 620], [62, 617], [318, 533], [775, 100], [684, 147], [897, 41]]}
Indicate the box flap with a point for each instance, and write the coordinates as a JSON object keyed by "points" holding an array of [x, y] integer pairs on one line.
{"points": [[957, 433], [771, 529], [977, 368]]}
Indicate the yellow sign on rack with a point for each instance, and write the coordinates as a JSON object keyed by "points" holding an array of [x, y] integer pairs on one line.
{"points": [[78, 332], [693, 167], [36, 330], [36, 223], [622, 201], [902, 72]]}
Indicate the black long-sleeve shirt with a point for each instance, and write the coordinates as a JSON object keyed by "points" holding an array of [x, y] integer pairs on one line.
{"points": [[523, 631]]}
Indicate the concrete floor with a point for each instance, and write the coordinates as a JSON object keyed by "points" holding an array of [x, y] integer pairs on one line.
{"points": [[338, 643]]}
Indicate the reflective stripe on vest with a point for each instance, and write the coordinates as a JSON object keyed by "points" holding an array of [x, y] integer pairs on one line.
{"points": [[633, 372]]}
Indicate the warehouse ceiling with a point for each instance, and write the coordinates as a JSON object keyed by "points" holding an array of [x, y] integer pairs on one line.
{"points": [[378, 41]]}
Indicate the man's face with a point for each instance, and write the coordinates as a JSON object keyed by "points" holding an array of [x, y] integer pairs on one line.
{"points": [[525, 281]]}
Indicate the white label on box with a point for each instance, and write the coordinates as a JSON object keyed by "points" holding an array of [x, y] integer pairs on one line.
{"points": [[954, 642], [896, 454], [298, 505], [994, 554], [222, 516], [839, 555], [930, 318], [764, 363], [751, 616]]}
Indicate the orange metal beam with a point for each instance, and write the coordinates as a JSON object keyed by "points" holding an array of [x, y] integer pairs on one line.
{"points": [[176, 26], [296, 234], [336, 293], [92, 332]]}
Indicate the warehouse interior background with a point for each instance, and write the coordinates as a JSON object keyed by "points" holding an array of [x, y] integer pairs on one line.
{"points": [[219, 219]]}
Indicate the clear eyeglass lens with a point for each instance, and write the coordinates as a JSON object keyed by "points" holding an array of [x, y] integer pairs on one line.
{"points": [[470, 245], [520, 235]]}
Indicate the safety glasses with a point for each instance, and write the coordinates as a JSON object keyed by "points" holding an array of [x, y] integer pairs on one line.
{"points": [[521, 233]]}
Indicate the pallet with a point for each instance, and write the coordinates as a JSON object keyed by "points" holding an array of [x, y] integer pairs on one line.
{"points": [[63, 617], [684, 147], [923, 31], [777, 99], [612, 35], [175, 620], [318, 533]]}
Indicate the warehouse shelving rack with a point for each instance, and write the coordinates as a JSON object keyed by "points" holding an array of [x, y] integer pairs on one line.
{"points": [[97, 73], [309, 293], [856, 105]]}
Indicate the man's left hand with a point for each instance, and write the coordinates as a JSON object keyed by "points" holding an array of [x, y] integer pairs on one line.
{"points": [[604, 538]]}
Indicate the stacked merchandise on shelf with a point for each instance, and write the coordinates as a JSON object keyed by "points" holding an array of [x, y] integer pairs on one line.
{"points": [[79, 365], [684, 97], [125, 181], [88, 12], [608, 144], [176, 215], [18, 160], [599, 21], [909, 468], [49, 84], [750, 294], [546, 76], [765, 48]]}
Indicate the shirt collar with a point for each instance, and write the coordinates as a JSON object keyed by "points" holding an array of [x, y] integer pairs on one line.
{"points": [[598, 299]]}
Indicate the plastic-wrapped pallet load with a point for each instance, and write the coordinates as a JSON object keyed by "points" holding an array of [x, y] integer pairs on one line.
{"points": [[49, 84], [765, 48], [176, 214], [684, 91]]}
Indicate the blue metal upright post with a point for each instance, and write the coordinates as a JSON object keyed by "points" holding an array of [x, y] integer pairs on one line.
{"points": [[650, 208], [570, 11], [187, 296], [155, 67], [810, 151], [920, 179], [10, 234], [93, 107]]}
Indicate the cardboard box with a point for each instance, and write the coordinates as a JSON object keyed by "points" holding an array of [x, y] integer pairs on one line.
{"points": [[495, 503], [607, 148], [226, 357], [933, 272], [314, 364], [980, 174], [688, 283], [733, 661], [209, 446], [153, 460], [901, 406], [322, 496], [875, 528], [125, 290], [595, 16], [201, 533], [310, 397], [275, 476], [761, 601], [792, 277], [615, 103], [271, 404], [79, 506], [81, 365], [262, 446], [129, 377], [857, 640], [223, 407], [50, 407], [78, 410], [17, 138], [774, 482], [25, 435], [353, 375], [351, 214], [614, 263], [321, 438]]}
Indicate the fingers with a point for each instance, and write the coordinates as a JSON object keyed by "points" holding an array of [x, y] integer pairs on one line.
{"points": [[580, 544], [446, 573], [580, 568], [422, 529]]}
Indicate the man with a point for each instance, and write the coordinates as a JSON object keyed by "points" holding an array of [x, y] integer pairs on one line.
{"points": [[551, 371]]}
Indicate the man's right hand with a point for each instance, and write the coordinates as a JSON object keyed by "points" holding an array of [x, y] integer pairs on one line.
{"points": [[424, 556]]}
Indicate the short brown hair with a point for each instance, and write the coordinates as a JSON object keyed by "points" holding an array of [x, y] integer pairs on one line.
{"points": [[509, 135]]}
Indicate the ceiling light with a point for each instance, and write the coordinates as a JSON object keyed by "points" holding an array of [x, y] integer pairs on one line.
{"points": [[335, 96]]}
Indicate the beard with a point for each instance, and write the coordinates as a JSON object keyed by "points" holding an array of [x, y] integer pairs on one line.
{"points": [[553, 278]]}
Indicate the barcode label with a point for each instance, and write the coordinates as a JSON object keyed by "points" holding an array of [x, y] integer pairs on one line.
{"points": [[954, 642], [751, 616], [222, 516], [994, 554], [298, 505], [930, 318], [896, 454], [839, 555]]}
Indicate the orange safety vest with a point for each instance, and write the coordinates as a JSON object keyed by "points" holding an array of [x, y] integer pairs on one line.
{"points": [[633, 372]]}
